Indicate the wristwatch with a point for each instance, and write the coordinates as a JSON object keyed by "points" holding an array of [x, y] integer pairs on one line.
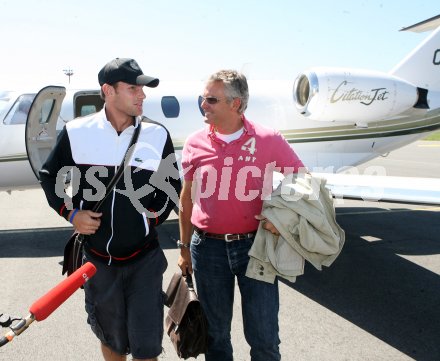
{"points": [[182, 245]]}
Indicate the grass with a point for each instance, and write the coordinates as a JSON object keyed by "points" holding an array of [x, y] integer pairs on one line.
{"points": [[433, 136]]}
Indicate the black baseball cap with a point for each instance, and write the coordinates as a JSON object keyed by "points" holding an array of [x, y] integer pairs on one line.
{"points": [[126, 70]]}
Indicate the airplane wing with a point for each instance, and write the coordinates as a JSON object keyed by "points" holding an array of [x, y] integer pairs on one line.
{"points": [[383, 188]]}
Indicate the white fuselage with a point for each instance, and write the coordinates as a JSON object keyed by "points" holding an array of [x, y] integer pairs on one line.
{"points": [[323, 146]]}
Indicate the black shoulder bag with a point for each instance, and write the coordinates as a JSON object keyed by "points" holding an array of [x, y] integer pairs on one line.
{"points": [[75, 244]]}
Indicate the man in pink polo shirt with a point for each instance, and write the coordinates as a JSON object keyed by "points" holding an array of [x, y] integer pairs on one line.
{"points": [[228, 169]]}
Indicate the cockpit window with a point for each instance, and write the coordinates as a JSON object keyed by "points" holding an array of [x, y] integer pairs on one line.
{"points": [[20, 109], [4, 99]]}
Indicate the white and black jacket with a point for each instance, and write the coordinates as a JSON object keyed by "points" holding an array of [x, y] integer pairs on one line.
{"points": [[149, 190]]}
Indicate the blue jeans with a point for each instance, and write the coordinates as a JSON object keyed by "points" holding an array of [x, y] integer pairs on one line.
{"points": [[216, 263]]}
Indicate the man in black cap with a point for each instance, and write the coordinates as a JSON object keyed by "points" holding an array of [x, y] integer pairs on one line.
{"points": [[124, 299]]}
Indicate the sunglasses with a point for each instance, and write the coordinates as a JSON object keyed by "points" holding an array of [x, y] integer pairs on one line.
{"points": [[209, 100]]}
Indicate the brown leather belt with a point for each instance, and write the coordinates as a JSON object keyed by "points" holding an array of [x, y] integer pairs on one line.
{"points": [[228, 237]]}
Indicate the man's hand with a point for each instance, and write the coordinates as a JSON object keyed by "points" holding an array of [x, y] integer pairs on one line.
{"points": [[86, 222], [267, 225], [185, 227], [184, 261]]}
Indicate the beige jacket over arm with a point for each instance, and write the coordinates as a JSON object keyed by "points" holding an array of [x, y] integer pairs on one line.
{"points": [[302, 210]]}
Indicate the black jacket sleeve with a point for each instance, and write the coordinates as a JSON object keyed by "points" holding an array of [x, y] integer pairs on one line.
{"points": [[52, 175]]}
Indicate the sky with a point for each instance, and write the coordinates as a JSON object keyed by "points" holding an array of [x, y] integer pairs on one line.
{"points": [[181, 40]]}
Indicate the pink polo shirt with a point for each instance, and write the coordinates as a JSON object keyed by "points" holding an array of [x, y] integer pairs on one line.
{"points": [[232, 180]]}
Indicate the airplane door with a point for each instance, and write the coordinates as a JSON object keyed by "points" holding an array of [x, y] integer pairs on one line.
{"points": [[41, 132]]}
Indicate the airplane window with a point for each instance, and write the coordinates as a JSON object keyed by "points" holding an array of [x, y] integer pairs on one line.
{"points": [[46, 111], [170, 106], [87, 109], [200, 106], [19, 111], [87, 103]]}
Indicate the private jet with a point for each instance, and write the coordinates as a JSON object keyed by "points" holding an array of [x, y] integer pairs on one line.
{"points": [[334, 118]]}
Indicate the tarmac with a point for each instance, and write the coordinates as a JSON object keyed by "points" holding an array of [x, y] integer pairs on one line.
{"points": [[378, 301]]}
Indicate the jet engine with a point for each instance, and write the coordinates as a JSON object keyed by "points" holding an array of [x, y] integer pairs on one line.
{"points": [[353, 95]]}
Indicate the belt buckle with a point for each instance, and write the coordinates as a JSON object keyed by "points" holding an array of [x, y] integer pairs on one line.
{"points": [[226, 237]]}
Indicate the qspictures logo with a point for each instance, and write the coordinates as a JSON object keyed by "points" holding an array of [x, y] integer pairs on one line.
{"points": [[249, 183]]}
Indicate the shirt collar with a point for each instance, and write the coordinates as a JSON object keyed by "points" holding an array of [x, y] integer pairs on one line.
{"points": [[106, 122], [247, 125]]}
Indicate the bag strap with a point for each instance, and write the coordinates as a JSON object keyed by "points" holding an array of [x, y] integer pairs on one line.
{"points": [[121, 167]]}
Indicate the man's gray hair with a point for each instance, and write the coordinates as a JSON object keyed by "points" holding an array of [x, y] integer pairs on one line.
{"points": [[235, 86]]}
